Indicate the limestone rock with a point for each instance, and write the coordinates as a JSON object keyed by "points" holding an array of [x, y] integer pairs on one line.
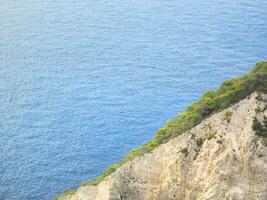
{"points": [[230, 163]]}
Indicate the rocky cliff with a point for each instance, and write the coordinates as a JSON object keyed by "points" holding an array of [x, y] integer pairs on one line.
{"points": [[223, 157], [215, 149]]}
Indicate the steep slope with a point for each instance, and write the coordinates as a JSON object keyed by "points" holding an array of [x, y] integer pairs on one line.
{"points": [[220, 156]]}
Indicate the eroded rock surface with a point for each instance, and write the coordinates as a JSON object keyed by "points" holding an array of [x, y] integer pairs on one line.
{"points": [[221, 158]]}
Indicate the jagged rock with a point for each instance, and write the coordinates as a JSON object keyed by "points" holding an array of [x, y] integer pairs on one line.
{"points": [[217, 159]]}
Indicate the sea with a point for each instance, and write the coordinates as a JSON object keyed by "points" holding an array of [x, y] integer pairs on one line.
{"points": [[83, 82]]}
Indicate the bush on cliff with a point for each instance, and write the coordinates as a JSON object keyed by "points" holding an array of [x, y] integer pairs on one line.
{"points": [[230, 92]]}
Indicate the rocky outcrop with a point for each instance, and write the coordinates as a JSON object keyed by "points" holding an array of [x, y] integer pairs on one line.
{"points": [[221, 158]]}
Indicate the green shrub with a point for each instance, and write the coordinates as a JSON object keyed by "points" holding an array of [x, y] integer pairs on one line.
{"points": [[260, 128], [184, 151], [228, 116], [230, 92], [210, 136], [68, 192], [258, 110], [199, 142], [259, 97], [260, 155]]}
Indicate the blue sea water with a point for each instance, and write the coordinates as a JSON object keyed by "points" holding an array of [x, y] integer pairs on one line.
{"points": [[82, 82]]}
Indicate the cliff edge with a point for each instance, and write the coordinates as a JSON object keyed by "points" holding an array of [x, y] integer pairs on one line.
{"points": [[223, 157]]}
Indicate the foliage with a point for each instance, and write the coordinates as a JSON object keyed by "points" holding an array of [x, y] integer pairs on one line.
{"points": [[184, 151], [260, 128], [68, 192], [230, 92], [227, 116], [259, 97], [258, 110], [210, 136], [260, 155], [199, 142]]}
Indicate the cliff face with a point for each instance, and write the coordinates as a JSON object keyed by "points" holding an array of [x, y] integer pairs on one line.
{"points": [[221, 158]]}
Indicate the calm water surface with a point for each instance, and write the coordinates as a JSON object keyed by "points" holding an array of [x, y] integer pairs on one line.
{"points": [[83, 82]]}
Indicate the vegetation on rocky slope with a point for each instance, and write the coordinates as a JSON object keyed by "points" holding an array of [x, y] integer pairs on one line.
{"points": [[260, 128], [67, 192], [230, 92]]}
